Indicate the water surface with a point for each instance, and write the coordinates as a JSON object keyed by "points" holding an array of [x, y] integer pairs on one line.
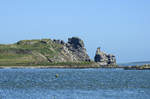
{"points": [[74, 84]]}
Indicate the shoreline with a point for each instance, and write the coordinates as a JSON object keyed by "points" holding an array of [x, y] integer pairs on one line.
{"points": [[143, 67], [46, 67]]}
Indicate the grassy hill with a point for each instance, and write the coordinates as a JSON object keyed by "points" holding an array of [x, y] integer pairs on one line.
{"points": [[38, 52], [28, 52]]}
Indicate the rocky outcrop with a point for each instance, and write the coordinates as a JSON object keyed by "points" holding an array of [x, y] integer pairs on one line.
{"points": [[73, 50], [53, 51], [76, 46], [59, 41], [104, 59]]}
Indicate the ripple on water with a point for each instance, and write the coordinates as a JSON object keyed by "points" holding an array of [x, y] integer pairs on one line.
{"points": [[74, 84]]}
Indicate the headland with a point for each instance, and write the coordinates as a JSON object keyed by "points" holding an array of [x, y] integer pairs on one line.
{"points": [[47, 53]]}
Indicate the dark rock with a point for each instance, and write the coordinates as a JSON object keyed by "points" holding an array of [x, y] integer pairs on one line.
{"points": [[104, 59], [59, 41], [88, 60], [76, 42], [62, 42], [111, 59], [56, 41], [76, 46]]}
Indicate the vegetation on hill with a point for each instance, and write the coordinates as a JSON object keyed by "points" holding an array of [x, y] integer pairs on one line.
{"points": [[44, 52], [28, 52]]}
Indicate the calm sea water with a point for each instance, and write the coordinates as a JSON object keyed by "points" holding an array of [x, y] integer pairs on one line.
{"points": [[74, 84]]}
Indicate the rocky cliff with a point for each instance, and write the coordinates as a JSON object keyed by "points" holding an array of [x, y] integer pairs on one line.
{"points": [[73, 50], [104, 59]]}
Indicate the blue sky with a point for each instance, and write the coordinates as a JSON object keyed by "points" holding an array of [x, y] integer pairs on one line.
{"points": [[120, 27]]}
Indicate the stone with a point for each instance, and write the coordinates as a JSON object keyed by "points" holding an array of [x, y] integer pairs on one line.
{"points": [[59, 41], [103, 58], [62, 42], [76, 42], [76, 46]]}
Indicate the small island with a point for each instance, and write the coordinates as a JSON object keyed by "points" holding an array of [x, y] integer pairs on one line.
{"points": [[47, 53]]}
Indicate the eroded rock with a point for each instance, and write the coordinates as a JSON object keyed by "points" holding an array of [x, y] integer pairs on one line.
{"points": [[104, 59], [76, 46]]}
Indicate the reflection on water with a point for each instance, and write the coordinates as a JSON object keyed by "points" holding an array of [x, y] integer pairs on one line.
{"points": [[74, 84]]}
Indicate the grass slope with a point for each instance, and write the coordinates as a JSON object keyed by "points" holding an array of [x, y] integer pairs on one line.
{"points": [[28, 52]]}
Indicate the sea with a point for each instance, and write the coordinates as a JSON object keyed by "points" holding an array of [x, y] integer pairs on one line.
{"points": [[88, 83]]}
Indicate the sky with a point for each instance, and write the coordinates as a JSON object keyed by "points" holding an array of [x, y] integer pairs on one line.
{"points": [[119, 27]]}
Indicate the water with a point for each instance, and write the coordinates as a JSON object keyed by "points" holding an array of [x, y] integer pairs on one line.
{"points": [[74, 84]]}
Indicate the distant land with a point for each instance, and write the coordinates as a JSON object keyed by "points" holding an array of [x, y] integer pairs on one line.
{"points": [[138, 63]]}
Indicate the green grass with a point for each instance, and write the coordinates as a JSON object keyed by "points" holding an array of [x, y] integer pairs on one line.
{"points": [[14, 54]]}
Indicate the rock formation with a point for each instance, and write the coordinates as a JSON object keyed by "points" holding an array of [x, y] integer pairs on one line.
{"points": [[104, 59], [76, 46], [73, 50]]}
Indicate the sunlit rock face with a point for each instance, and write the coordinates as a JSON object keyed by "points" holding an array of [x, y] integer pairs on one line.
{"points": [[76, 46], [104, 59], [72, 51]]}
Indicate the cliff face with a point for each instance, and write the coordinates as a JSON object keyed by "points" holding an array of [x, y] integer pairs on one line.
{"points": [[73, 50], [104, 59], [42, 51]]}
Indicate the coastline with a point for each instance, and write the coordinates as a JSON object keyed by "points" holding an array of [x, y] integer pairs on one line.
{"points": [[46, 67], [144, 67]]}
